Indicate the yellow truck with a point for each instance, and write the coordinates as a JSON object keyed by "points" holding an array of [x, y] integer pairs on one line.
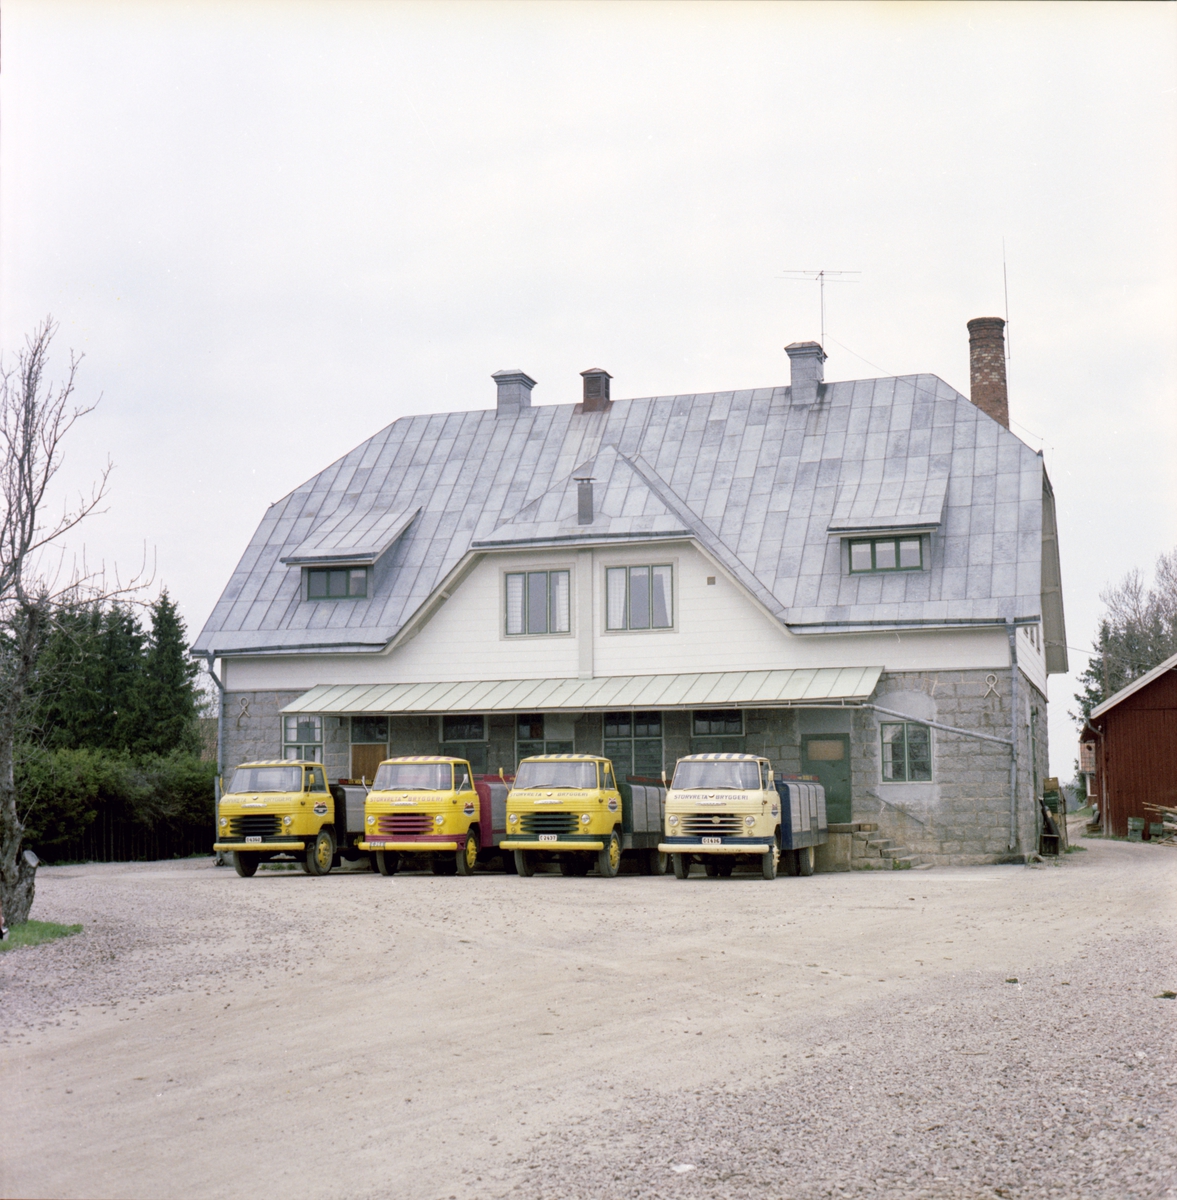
{"points": [[278, 808], [571, 807], [432, 805], [724, 806]]}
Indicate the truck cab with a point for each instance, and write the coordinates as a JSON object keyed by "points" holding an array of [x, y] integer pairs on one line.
{"points": [[720, 807], [278, 807], [569, 806], [427, 805]]}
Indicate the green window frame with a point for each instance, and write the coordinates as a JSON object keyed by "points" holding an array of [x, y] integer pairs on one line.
{"points": [[302, 737], [537, 603], [337, 583], [871, 556], [639, 598], [907, 752], [633, 743]]}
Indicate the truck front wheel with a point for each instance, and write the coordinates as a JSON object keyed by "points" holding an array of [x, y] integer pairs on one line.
{"points": [[387, 861], [467, 856], [682, 865], [320, 854], [245, 862], [770, 860], [524, 864], [609, 859]]}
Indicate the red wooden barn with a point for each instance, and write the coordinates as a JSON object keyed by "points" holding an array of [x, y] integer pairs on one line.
{"points": [[1134, 738]]}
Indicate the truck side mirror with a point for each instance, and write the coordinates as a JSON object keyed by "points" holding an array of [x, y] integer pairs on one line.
{"points": [[664, 783]]}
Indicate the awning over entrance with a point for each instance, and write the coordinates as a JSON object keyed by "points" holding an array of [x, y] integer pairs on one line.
{"points": [[720, 689]]}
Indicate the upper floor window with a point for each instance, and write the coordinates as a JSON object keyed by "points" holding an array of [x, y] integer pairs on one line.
{"points": [[907, 752], [639, 597], [537, 602], [886, 554], [337, 583]]}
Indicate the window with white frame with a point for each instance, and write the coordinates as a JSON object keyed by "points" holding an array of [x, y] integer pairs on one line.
{"points": [[907, 752], [537, 603], [639, 597], [302, 737]]}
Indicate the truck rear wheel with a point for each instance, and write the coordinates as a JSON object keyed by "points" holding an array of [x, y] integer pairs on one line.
{"points": [[804, 860], [653, 863], [444, 866], [725, 868], [245, 862], [711, 867], [609, 859], [682, 865], [574, 864], [769, 860], [524, 864], [468, 855], [387, 861], [320, 854]]}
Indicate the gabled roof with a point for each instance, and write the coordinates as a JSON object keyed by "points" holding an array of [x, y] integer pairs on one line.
{"points": [[767, 487], [1170, 664]]}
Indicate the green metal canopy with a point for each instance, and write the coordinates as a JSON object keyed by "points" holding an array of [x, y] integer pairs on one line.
{"points": [[719, 689]]}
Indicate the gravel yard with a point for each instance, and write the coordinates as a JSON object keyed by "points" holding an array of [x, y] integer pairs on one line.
{"points": [[357, 1036]]}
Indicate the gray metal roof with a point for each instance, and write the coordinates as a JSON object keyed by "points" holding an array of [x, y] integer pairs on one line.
{"points": [[765, 485], [717, 689]]}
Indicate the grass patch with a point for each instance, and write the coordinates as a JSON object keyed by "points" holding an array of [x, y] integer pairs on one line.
{"points": [[33, 933], [1076, 849]]}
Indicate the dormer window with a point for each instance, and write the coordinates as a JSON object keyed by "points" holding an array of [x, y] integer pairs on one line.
{"points": [[872, 555], [337, 583]]}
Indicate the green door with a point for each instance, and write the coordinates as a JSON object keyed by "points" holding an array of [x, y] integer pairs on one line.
{"points": [[827, 755]]}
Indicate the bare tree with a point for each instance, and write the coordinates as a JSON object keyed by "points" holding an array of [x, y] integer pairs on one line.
{"points": [[35, 417]]}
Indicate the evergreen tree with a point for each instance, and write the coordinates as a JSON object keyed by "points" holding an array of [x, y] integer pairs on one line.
{"points": [[167, 704]]}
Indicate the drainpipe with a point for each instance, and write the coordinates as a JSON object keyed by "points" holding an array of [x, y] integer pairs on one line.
{"points": [[1012, 632], [209, 660]]}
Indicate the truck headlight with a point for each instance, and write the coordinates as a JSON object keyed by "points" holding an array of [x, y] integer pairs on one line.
{"points": [[672, 820], [439, 819], [224, 822], [585, 819], [371, 820], [513, 818], [287, 820], [749, 821]]}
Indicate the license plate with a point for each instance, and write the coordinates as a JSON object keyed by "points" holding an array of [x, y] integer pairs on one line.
{"points": [[253, 839], [547, 837], [711, 841], [378, 845]]}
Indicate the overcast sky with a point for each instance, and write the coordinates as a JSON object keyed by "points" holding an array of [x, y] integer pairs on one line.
{"points": [[273, 228]]}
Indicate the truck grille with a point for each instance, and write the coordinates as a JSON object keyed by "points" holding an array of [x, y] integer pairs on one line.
{"points": [[254, 825], [404, 824], [712, 824], [533, 823]]}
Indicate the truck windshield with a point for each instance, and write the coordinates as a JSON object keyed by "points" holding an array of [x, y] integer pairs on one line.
{"points": [[556, 775], [717, 773], [413, 777], [267, 779]]}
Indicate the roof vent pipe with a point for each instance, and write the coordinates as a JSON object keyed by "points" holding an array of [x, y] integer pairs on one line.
{"points": [[987, 367], [514, 390], [805, 363], [584, 501], [596, 390]]}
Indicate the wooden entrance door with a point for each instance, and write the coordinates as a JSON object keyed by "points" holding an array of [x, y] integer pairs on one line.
{"points": [[827, 755], [366, 758]]}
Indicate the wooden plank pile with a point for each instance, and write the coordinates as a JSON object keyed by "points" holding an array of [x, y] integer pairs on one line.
{"points": [[1163, 832]]}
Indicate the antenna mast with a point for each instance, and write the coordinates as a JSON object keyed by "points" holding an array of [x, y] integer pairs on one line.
{"points": [[819, 277]]}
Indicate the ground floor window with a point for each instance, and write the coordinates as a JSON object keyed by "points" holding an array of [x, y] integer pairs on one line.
{"points": [[907, 752], [633, 743], [302, 737], [463, 735], [536, 733], [717, 731]]}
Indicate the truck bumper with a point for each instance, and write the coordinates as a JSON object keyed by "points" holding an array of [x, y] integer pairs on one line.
{"points": [[514, 844], [699, 848], [409, 847], [276, 847]]}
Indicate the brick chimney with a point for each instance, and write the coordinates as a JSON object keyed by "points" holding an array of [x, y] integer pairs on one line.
{"points": [[805, 363], [596, 389], [987, 367], [514, 390]]}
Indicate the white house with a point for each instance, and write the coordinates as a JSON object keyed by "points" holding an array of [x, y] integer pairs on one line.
{"points": [[858, 579]]}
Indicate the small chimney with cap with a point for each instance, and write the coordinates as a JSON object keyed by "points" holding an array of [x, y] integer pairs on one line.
{"points": [[987, 367], [596, 390], [806, 371], [514, 390]]}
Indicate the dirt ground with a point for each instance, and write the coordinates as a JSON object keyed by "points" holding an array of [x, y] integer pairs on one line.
{"points": [[448, 1038]]}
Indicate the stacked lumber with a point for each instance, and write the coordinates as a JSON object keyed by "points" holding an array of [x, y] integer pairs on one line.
{"points": [[1168, 823]]}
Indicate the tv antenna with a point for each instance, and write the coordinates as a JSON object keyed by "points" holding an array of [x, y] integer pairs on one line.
{"points": [[820, 277]]}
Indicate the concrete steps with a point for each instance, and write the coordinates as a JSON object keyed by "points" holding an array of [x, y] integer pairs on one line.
{"points": [[871, 852]]}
